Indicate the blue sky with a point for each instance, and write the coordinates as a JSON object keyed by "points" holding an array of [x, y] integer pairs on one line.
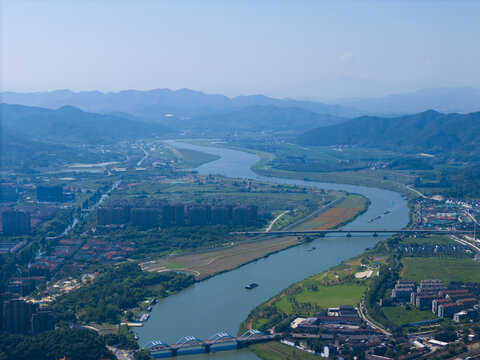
{"points": [[311, 49]]}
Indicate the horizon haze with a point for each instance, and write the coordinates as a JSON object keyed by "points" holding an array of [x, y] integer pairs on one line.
{"points": [[305, 50]]}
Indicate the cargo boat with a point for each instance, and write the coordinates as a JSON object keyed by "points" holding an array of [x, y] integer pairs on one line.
{"points": [[251, 286]]}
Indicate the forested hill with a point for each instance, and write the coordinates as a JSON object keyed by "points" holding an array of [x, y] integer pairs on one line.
{"points": [[262, 117], [426, 132], [71, 125]]}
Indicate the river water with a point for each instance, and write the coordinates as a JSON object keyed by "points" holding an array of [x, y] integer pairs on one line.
{"points": [[221, 303]]}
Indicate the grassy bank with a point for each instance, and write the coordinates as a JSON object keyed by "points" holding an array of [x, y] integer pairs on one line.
{"points": [[204, 264], [445, 269], [337, 286]]}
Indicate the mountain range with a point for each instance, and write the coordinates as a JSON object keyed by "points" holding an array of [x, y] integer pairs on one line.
{"points": [[258, 118], [155, 104], [70, 125], [426, 132], [162, 112]]}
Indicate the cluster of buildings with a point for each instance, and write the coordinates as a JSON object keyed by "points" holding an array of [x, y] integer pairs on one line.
{"points": [[339, 328], [167, 214], [36, 275], [435, 212], [19, 221], [72, 255], [96, 250], [53, 194], [409, 250], [59, 254], [11, 246], [438, 212], [21, 317], [343, 320], [16, 223], [453, 302], [80, 252], [8, 193]]}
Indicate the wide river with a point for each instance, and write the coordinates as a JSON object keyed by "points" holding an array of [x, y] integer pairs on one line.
{"points": [[221, 303]]}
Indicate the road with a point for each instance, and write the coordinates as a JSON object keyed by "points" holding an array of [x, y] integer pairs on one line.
{"points": [[364, 315], [468, 243], [122, 354], [275, 220], [467, 213], [140, 162], [415, 191]]}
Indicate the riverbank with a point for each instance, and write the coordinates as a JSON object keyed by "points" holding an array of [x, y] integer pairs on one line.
{"points": [[362, 282], [206, 264], [367, 177], [343, 284], [221, 303]]}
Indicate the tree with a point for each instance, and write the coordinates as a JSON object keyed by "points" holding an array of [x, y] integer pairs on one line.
{"points": [[143, 355]]}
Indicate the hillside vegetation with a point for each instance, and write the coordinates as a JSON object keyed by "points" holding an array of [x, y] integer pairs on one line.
{"points": [[70, 125], [457, 135], [255, 118]]}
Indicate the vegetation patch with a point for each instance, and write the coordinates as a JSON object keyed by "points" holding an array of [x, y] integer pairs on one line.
{"points": [[193, 159], [440, 268], [400, 315], [322, 297], [116, 290], [55, 344], [279, 351], [427, 240]]}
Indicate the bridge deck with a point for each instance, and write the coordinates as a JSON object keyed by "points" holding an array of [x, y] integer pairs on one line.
{"points": [[251, 336], [354, 231]]}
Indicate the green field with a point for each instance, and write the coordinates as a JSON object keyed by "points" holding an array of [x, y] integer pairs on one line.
{"points": [[440, 268], [278, 351], [324, 297], [192, 159], [398, 315]]}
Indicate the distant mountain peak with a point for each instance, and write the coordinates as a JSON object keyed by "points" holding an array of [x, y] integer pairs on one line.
{"points": [[70, 108], [430, 112]]}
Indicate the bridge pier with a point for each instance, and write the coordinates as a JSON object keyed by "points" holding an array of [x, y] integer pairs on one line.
{"points": [[174, 352], [375, 234], [207, 348], [349, 235]]}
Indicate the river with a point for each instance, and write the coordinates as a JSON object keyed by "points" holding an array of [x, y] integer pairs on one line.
{"points": [[221, 303]]}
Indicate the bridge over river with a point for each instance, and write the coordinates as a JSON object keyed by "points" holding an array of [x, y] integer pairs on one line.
{"points": [[349, 232], [217, 342]]}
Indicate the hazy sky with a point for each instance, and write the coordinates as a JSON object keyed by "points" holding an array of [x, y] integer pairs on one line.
{"points": [[284, 48]]}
